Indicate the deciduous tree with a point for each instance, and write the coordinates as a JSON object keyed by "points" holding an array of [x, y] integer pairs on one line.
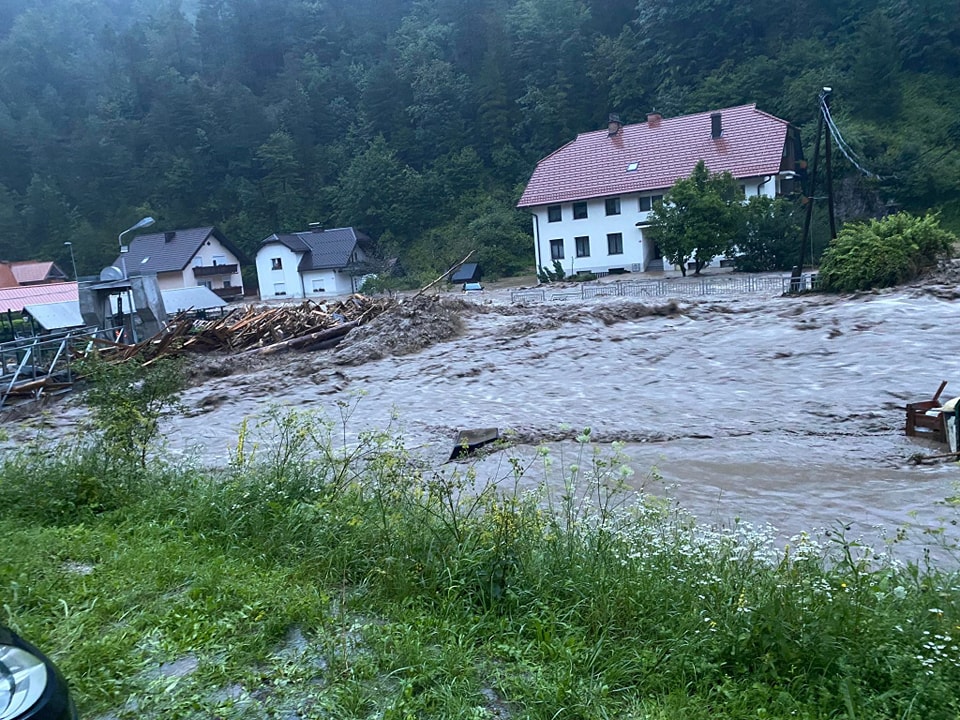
{"points": [[769, 234], [698, 219]]}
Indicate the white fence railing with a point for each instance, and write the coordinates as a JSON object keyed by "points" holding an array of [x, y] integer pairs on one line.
{"points": [[673, 288]]}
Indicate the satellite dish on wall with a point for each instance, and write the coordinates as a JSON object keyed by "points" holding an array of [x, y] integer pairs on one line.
{"points": [[111, 273]]}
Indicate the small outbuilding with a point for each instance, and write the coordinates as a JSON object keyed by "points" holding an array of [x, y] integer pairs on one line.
{"points": [[55, 316], [466, 273]]}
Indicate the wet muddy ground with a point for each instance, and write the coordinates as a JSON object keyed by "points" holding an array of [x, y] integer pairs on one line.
{"points": [[779, 410]]}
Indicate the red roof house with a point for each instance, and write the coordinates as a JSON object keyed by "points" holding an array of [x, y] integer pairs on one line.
{"points": [[36, 272], [32, 282], [591, 198]]}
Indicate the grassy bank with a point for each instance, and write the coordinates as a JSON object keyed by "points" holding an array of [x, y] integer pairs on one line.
{"points": [[306, 580]]}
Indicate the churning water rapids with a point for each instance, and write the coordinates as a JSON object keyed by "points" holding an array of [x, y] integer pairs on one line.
{"points": [[779, 410]]}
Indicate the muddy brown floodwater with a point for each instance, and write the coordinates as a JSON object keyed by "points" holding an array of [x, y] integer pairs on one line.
{"points": [[780, 411]]}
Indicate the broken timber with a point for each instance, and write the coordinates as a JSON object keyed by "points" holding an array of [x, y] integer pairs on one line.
{"points": [[924, 419], [305, 342], [309, 325], [469, 441]]}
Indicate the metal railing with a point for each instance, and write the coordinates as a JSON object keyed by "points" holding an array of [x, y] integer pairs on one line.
{"points": [[805, 283], [673, 288], [205, 270], [534, 295], [31, 366]]}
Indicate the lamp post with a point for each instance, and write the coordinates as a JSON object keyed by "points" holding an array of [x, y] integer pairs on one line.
{"points": [[73, 260], [145, 222]]}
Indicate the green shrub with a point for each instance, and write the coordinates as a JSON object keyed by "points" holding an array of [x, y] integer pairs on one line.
{"points": [[126, 400], [883, 253], [103, 467], [554, 274], [768, 237]]}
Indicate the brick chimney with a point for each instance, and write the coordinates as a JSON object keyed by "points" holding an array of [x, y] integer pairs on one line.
{"points": [[613, 125], [653, 120], [716, 125]]}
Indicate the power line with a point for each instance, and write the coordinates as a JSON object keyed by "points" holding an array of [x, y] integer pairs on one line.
{"points": [[845, 148]]}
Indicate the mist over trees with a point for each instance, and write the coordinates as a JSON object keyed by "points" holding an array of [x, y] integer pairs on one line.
{"points": [[419, 122]]}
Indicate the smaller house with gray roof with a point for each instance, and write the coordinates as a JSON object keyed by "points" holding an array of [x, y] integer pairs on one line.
{"points": [[187, 258], [314, 263]]}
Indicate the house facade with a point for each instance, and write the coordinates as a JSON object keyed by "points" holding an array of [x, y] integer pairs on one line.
{"points": [[591, 201], [315, 263], [187, 258]]}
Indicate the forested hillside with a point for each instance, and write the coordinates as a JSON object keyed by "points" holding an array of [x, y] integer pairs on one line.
{"points": [[418, 122]]}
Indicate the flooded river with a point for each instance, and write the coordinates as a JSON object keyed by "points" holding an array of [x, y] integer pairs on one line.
{"points": [[787, 411]]}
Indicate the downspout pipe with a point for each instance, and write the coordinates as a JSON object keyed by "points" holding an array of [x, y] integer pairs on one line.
{"points": [[536, 243]]}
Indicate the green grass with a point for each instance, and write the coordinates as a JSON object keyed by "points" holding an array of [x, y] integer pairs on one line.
{"points": [[315, 582]]}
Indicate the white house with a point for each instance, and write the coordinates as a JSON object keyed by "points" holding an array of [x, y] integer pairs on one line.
{"points": [[186, 258], [591, 200], [314, 263]]}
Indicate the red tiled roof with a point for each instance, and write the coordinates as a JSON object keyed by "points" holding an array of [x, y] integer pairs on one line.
{"points": [[595, 164], [16, 297], [7, 278], [31, 271]]}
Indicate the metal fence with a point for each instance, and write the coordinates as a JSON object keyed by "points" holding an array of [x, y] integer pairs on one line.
{"points": [[675, 288], [33, 366]]}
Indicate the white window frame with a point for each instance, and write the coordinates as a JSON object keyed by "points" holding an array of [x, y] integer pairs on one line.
{"points": [[556, 249], [581, 245], [619, 240]]}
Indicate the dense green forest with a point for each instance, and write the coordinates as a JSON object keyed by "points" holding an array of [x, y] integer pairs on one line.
{"points": [[418, 121]]}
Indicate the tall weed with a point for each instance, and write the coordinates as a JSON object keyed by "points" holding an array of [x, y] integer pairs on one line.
{"points": [[552, 582]]}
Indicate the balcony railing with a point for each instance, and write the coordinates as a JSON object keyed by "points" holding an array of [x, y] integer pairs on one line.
{"points": [[207, 270]]}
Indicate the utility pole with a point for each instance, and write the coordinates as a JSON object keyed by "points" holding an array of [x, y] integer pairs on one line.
{"points": [[824, 109], [821, 99]]}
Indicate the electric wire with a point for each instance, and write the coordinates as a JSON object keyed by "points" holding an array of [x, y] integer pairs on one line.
{"points": [[842, 144]]}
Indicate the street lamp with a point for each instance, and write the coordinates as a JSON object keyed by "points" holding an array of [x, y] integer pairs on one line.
{"points": [[146, 222], [72, 259]]}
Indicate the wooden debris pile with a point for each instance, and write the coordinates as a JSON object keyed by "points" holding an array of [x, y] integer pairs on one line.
{"points": [[307, 326]]}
